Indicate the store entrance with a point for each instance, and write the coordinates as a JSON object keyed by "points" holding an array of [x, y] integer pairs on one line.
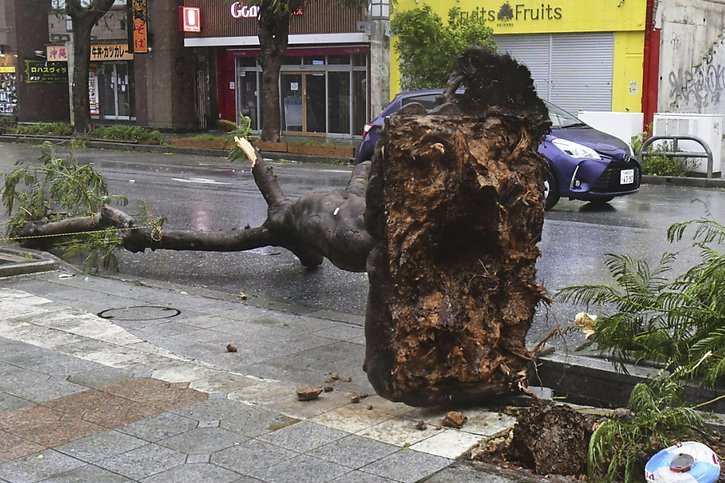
{"points": [[115, 90], [303, 103]]}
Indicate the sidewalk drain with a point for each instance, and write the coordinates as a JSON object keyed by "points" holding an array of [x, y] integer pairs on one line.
{"points": [[139, 313]]}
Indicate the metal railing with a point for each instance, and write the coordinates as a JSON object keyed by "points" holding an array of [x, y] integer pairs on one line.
{"points": [[675, 153]]}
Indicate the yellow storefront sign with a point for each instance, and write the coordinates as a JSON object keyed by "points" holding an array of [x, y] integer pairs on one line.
{"points": [[537, 16], [625, 18], [7, 70]]}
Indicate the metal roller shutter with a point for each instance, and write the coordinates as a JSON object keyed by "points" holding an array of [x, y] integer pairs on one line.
{"points": [[581, 71], [532, 50], [574, 71]]}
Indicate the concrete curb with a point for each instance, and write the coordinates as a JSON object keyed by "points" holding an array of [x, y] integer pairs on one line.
{"points": [[593, 381], [166, 149], [683, 181], [23, 262]]}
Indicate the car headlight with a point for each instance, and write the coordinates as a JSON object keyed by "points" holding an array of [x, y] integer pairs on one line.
{"points": [[575, 150]]}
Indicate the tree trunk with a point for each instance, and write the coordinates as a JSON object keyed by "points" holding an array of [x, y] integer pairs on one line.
{"points": [[84, 18], [455, 206], [273, 38], [81, 64]]}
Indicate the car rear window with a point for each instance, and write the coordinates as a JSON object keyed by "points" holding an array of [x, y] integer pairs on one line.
{"points": [[428, 101]]}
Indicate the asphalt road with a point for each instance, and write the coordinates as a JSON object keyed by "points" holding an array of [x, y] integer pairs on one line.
{"points": [[207, 193]]}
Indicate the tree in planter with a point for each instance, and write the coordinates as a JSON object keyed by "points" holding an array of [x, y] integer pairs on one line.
{"points": [[273, 19], [427, 47], [84, 14]]}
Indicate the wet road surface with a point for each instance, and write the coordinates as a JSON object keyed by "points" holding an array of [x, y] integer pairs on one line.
{"points": [[212, 194]]}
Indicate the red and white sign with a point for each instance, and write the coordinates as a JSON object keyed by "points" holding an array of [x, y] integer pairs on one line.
{"points": [[239, 10], [190, 19]]}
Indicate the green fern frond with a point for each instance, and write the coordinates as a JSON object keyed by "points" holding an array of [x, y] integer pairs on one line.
{"points": [[649, 314]]}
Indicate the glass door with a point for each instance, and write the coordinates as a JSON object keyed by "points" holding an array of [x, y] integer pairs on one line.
{"points": [[315, 103], [304, 103], [115, 90], [247, 91], [292, 102], [123, 92], [107, 90]]}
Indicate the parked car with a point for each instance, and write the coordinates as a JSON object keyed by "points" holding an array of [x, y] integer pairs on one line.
{"points": [[584, 164]]}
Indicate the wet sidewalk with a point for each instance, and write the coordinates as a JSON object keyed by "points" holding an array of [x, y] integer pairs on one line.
{"points": [[103, 379]]}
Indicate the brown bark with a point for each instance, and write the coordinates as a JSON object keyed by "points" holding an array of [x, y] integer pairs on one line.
{"points": [[455, 207], [273, 22], [84, 18]]}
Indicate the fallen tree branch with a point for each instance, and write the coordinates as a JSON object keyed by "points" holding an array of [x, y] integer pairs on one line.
{"points": [[313, 227]]}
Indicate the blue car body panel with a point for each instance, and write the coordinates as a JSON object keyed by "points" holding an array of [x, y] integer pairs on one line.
{"points": [[577, 178]]}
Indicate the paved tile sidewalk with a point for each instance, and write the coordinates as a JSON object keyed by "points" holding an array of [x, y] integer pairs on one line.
{"points": [[152, 394]]}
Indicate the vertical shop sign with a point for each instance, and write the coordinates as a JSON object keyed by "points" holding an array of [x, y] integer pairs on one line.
{"points": [[139, 13], [93, 90], [190, 19], [8, 97]]}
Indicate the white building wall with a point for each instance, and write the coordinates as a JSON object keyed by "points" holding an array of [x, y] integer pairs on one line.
{"points": [[692, 56]]}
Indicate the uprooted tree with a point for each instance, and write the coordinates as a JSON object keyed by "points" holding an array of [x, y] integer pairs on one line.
{"points": [[446, 221]]}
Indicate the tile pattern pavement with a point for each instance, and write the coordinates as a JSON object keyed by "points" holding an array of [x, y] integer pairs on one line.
{"points": [[83, 398]]}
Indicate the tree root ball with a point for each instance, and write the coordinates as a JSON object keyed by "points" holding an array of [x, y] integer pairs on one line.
{"points": [[551, 439], [455, 206]]}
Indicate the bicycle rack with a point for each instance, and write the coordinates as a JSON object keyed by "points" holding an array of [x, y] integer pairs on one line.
{"points": [[676, 153]]}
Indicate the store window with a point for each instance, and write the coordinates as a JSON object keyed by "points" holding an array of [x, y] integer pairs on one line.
{"points": [[319, 94], [338, 102], [8, 95]]}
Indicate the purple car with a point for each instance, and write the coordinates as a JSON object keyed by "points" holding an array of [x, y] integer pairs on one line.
{"points": [[585, 164]]}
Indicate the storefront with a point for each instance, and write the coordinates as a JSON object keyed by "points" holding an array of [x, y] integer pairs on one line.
{"points": [[323, 79], [582, 55], [8, 81], [110, 82]]}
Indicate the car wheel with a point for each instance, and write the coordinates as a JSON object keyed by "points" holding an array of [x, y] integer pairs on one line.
{"points": [[551, 190]]}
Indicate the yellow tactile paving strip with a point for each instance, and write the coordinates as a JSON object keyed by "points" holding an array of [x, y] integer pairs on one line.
{"points": [[52, 423]]}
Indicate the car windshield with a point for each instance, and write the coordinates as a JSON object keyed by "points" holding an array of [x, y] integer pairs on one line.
{"points": [[561, 119]]}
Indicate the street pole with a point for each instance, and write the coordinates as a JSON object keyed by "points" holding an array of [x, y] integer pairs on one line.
{"points": [[71, 70]]}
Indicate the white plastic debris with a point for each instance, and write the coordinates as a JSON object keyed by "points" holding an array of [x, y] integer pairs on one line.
{"points": [[688, 462]]}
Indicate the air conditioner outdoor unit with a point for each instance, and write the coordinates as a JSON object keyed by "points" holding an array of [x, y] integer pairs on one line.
{"points": [[707, 127]]}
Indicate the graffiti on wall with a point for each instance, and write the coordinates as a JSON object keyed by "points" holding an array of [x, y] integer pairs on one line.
{"points": [[699, 87]]}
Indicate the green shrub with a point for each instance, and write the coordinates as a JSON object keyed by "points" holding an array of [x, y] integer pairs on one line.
{"points": [[678, 322], [657, 417], [128, 133], [44, 129], [428, 46], [206, 137], [658, 164], [7, 123]]}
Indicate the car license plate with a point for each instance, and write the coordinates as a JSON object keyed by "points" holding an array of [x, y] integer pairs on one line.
{"points": [[626, 176]]}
